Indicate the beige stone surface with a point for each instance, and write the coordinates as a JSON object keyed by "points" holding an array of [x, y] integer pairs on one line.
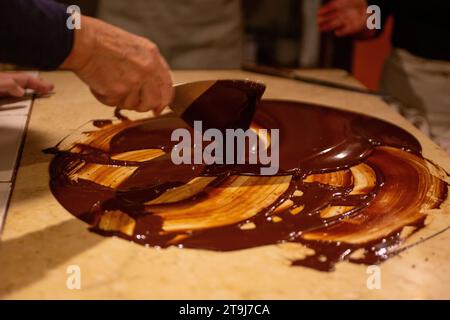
{"points": [[41, 239]]}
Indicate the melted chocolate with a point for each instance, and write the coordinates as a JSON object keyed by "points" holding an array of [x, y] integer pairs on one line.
{"points": [[227, 104], [347, 182], [102, 123]]}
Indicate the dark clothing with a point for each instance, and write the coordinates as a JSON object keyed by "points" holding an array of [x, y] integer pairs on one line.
{"points": [[33, 33], [420, 27]]}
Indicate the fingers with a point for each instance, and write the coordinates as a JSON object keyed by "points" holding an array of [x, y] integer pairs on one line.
{"points": [[132, 101], [28, 81], [105, 99], [329, 16], [166, 87], [330, 7], [327, 8], [15, 83], [343, 17], [343, 31], [39, 85], [8, 87], [157, 91], [152, 94], [336, 5], [331, 22], [151, 97], [166, 97]]}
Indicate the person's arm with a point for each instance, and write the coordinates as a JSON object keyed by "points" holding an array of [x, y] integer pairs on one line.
{"points": [[33, 33], [349, 17], [120, 68]]}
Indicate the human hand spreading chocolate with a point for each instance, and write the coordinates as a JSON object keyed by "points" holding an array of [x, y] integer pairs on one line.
{"points": [[121, 69]]}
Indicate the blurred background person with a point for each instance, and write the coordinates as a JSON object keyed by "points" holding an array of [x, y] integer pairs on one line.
{"points": [[194, 34], [221, 34], [417, 71]]}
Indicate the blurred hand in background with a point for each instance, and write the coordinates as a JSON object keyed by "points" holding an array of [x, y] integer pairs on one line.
{"points": [[344, 18], [14, 84]]}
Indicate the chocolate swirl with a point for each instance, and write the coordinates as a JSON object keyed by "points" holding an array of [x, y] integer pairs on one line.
{"points": [[347, 187]]}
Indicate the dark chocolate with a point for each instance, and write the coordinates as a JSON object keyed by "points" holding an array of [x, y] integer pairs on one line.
{"points": [[320, 148]]}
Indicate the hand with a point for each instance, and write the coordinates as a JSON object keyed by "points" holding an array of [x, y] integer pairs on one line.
{"points": [[121, 69], [13, 84], [344, 18]]}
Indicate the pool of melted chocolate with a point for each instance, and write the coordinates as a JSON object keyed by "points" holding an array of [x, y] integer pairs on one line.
{"points": [[347, 184]]}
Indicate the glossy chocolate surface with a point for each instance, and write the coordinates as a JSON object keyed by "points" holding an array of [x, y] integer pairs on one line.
{"points": [[227, 104], [347, 183]]}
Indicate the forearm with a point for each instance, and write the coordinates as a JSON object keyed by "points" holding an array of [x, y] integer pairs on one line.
{"points": [[121, 69], [33, 33]]}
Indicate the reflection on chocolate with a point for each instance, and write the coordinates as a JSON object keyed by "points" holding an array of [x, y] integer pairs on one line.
{"points": [[348, 184], [101, 123]]}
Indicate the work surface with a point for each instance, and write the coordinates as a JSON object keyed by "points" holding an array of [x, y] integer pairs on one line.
{"points": [[41, 241]]}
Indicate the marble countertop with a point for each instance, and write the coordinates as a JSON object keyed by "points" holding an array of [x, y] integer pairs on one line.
{"points": [[41, 241]]}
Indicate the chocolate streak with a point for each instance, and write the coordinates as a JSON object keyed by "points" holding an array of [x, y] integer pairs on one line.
{"points": [[347, 183]]}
